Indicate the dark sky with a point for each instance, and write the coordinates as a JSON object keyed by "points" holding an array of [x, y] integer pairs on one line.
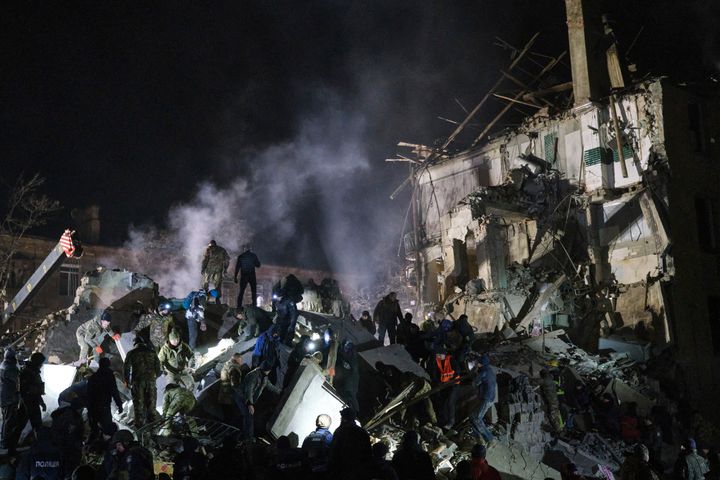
{"points": [[131, 105]]}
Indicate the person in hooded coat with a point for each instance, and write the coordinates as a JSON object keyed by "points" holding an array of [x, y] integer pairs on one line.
{"points": [[102, 391], [32, 389], [410, 461], [44, 460], [9, 392]]}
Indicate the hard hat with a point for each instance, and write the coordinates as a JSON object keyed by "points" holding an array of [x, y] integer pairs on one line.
{"points": [[323, 421]]}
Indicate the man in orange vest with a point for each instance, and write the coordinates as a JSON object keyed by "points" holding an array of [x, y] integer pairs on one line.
{"points": [[443, 370]]}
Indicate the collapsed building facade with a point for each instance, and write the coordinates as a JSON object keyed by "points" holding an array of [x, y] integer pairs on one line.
{"points": [[547, 226]]}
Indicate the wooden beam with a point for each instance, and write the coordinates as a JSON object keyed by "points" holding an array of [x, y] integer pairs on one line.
{"points": [[514, 100]]}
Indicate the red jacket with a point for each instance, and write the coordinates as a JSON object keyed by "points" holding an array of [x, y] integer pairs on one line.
{"points": [[482, 471]]}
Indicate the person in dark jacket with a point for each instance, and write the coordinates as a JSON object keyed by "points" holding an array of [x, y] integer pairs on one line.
{"points": [[410, 461], [246, 264], [9, 392], [607, 415], [350, 451], [44, 460], [68, 430], [32, 389], [367, 323], [266, 347], [301, 349], [467, 333], [141, 370], [404, 329], [690, 465], [102, 390], [480, 467], [126, 459], [443, 370], [290, 463], [191, 463], [316, 446], [248, 394], [348, 375], [381, 468], [387, 313], [486, 384]]}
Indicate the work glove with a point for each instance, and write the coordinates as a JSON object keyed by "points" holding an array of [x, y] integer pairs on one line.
{"points": [[116, 337], [98, 349]]}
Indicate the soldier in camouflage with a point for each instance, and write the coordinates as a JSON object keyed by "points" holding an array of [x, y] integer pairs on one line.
{"points": [[214, 264], [91, 334], [155, 326], [141, 370], [230, 376], [175, 357], [179, 400]]}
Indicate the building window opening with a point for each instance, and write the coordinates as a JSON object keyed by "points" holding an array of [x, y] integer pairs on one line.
{"points": [[69, 280]]}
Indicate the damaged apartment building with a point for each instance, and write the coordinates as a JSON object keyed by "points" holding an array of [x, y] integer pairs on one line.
{"points": [[602, 218]]}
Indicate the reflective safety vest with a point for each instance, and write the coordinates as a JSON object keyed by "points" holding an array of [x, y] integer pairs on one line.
{"points": [[445, 368]]}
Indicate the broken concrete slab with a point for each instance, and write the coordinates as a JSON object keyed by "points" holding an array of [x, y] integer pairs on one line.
{"points": [[394, 355], [514, 462], [57, 378], [626, 394], [638, 350], [549, 343]]}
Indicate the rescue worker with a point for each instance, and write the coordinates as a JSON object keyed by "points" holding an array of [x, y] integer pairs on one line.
{"points": [[230, 371], [549, 390], [387, 313], [289, 464], [266, 347], [68, 431], [637, 465], [179, 400], [690, 465], [287, 293], [350, 451], [252, 387], [486, 383], [44, 460], [367, 323], [141, 370], [410, 461], [155, 325], [347, 380], [194, 305], [381, 468], [215, 263], [480, 467], [467, 333], [31, 391], [404, 329], [301, 350], [444, 371], [316, 446], [126, 459], [253, 320], [102, 390], [9, 392], [245, 265], [91, 334], [175, 357], [398, 381]]}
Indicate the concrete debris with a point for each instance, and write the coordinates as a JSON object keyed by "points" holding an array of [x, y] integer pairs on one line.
{"points": [[637, 350]]}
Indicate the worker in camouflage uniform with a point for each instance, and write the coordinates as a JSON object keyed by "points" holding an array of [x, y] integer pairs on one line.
{"points": [[179, 400], [91, 334], [141, 370], [175, 357], [214, 265], [155, 326], [230, 376]]}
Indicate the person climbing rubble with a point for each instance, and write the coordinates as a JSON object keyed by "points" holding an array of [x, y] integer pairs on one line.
{"points": [[347, 379], [266, 347], [410, 461], [194, 304], [316, 445], [253, 320], [155, 325], [252, 387], [288, 293], [179, 401], [443, 370], [175, 360], [9, 393], [215, 263], [91, 334], [230, 374], [245, 266], [350, 451], [549, 390], [125, 458], [102, 391], [387, 313], [140, 372], [31, 390], [397, 382], [367, 323], [486, 383]]}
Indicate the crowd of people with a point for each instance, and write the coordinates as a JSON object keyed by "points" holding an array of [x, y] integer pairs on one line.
{"points": [[442, 346]]}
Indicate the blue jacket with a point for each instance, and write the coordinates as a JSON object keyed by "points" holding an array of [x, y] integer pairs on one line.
{"points": [[486, 383], [316, 447], [189, 300], [265, 345]]}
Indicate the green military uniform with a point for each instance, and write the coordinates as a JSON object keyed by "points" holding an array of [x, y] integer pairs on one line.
{"points": [[256, 321], [90, 335], [141, 370], [215, 262], [225, 394], [158, 327], [179, 400], [175, 362]]}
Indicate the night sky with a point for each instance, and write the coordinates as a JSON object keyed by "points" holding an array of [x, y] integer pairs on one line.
{"points": [[132, 107]]}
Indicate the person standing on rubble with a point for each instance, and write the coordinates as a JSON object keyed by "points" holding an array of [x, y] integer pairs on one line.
{"points": [[91, 334], [9, 393], [350, 451], [266, 347], [126, 459], [175, 357], [251, 388], [245, 265], [289, 292], [194, 305], [316, 446], [486, 383], [443, 371], [31, 389], [141, 370], [155, 325], [215, 263], [410, 461], [387, 313], [253, 320], [102, 391], [404, 329], [367, 323], [347, 380]]}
